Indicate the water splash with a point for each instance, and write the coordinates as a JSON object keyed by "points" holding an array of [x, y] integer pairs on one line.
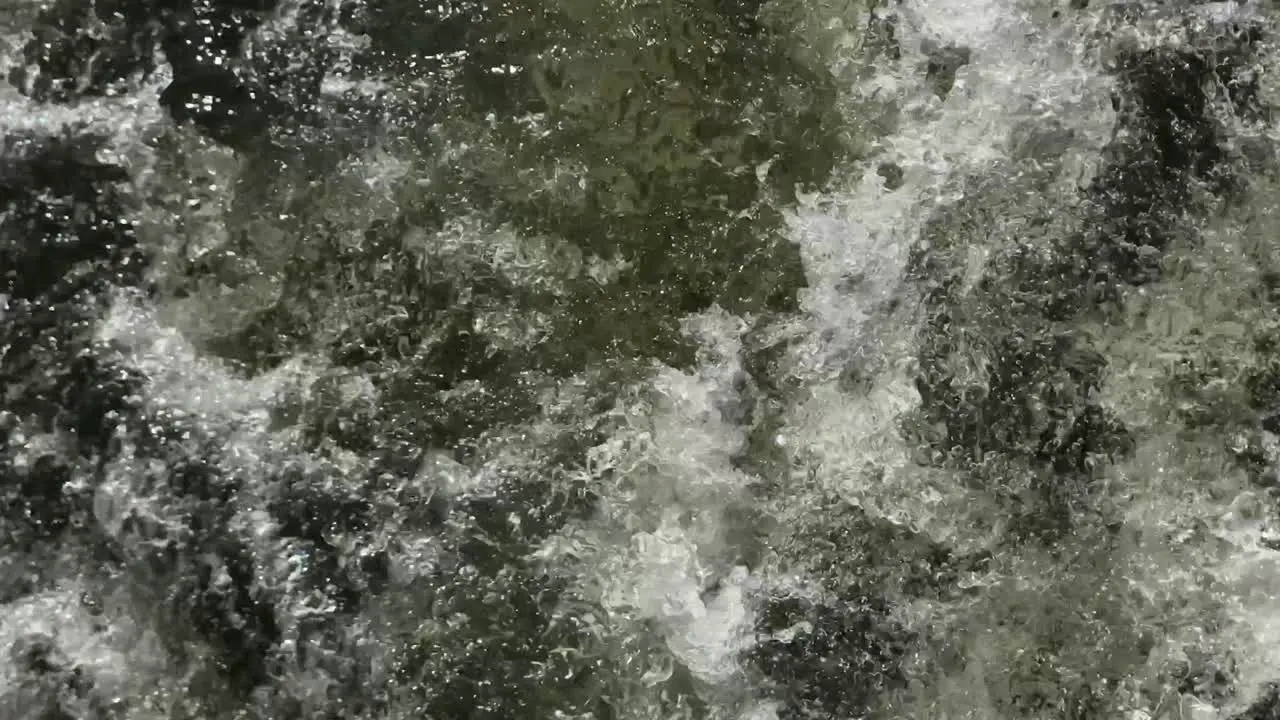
{"points": [[733, 520]]}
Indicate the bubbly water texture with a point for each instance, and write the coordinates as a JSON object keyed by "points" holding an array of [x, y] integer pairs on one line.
{"points": [[743, 509]]}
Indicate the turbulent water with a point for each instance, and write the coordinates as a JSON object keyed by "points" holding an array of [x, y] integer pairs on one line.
{"points": [[623, 359]]}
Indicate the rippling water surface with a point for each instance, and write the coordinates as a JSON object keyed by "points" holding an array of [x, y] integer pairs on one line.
{"points": [[639, 359]]}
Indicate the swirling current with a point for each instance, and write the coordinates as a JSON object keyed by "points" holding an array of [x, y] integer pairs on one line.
{"points": [[639, 360]]}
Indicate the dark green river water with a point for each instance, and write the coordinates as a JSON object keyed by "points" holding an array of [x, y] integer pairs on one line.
{"points": [[639, 360]]}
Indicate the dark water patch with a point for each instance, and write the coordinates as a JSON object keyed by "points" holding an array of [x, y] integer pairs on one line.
{"points": [[837, 658], [1033, 397], [92, 48], [1266, 707], [64, 241]]}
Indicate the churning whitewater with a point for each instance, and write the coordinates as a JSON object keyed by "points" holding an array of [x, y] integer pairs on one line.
{"points": [[639, 359]]}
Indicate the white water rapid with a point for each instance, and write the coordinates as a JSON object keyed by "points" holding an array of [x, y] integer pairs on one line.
{"points": [[717, 492]]}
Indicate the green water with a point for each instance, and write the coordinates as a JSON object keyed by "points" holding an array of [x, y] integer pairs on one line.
{"points": [[711, 359]]}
